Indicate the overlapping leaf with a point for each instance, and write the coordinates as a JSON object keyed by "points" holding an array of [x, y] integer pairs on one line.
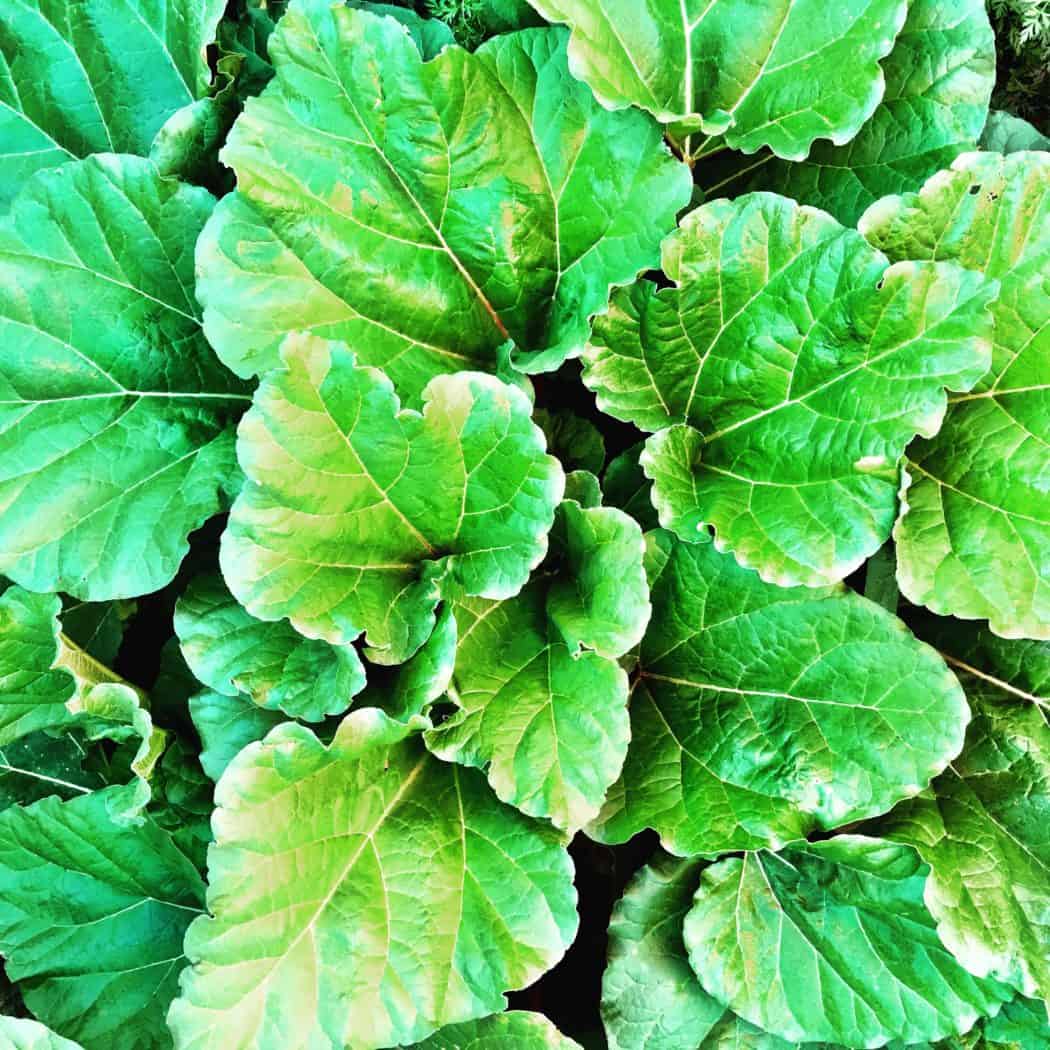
{"points": [[779, 74], [115, 436], [358, 514], [226, 725], [341, 840], [96, 76], [839, 946], [984, 825], [791, 367], [974, 537], [92, 916], [429, 213], [232, 652], [541, 701], [939, 78], [760, 714], [17, 1033], [515, 1030]]}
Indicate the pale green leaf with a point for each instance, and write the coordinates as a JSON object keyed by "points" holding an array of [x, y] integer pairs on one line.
{"points": [[92, 916], [973, 539], [17, 1033], [226, 724], [651, 999], [95, 76], [115, 415], [358, 515], [939, 78], [230, 651], [791, 367], [340, 841], [514, 1030], [410, 688], [428, 213], [584, 488], [831, 941], [984, 825], [541, 702], [430, 35], [779, 74], [1005, 133], [761, 714]]}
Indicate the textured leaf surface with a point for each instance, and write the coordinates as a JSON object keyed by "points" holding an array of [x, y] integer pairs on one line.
{"points": [[227, 724], [1020, 1025], [974, 537], [96, 76], [576, 441], [831, 941], [38, 765], [651, 999], [358, 513], [541, 701], [779, 74], [760, 714], [17, 1033], [340, 840], [797, 367], [939, 78], [984, 825], [92, 915], [232, 652], [427, 213], [515, 1030], [114, 414], [1005, 133]]}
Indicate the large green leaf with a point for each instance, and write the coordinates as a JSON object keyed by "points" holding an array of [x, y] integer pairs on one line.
{"points": [[974, 537], [115, 416], [1019, 1025], [939, 78], [760, 714], [507, 1031], [340, 842], [1005, 133], [780, 74], [358, 514], [428, 212], [651, 999], [95, 76], [541, 701], [17, 1033], [92, 916], [792, 367], [984, 825], [831, 941], [231, 651]]}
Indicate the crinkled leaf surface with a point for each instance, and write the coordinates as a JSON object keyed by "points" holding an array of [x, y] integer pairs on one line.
{"points": [[427, 212], [984, 825], [340, 841], [831, 941], [651, 999], [95, 76], [231, 651], [115, 416], [515, 1030], [18, 1033], [760, 714], [226, 724], [358, 513], [33, 689], [974, 537], [780, 74], [796, 367], [1005, 133], [410, 688], [92, 916], [541, 701], [939, 78]]}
